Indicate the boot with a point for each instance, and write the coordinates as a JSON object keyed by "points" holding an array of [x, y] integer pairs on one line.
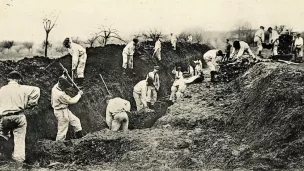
{"points": [[123, 71], [149, 105], [212, 73], [80, 82], [78, 134]]}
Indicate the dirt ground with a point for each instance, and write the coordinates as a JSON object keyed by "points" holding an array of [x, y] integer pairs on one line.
{"points": [[251, 123]]}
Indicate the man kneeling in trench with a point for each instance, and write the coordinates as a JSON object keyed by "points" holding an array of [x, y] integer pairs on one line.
{"points": [[117, 113], [60, 102]]}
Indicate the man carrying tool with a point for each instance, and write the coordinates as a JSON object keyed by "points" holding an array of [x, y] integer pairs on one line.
{"points": [[173, 41], [274, 39], [117, 113], [259, 39], [153, 88], [14, 99], [127, 55], [60, 102], [298, 47], [140, 93], [157, 49], [79, 58], [210, 58]]}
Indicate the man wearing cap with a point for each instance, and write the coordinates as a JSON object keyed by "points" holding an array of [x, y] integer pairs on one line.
{"points": [[274, 39], [153, 88], [157, 49], [298, 46], [210, 58], [79, 58], [259, 39], [140, 93], [60, 103], [228, 49], [14, 98], [117, 113], [173, 41], [127, 55]]}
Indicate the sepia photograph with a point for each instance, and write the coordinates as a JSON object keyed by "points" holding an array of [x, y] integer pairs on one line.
{"points": [[151, 85]]}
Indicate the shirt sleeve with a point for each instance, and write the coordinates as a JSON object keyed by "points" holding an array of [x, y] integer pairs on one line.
{"points": [[262, 36], [232, 52], [66, 99], [75, 58], [127, 106], [241, 52], [34, 95]]}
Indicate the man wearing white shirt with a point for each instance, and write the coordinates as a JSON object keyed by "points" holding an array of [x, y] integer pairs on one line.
{"points": [[259, 39], [274, 39], [173, 41], [117, 113], [298, 46], [209, 57], [157, 49], [127, 55], [79, 58], [239, 47], [140, 94]]}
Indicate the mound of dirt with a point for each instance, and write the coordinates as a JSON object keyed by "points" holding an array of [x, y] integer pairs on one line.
{"points": [[268, 115], [91, 108]]}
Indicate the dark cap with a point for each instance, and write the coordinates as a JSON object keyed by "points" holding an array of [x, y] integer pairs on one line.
{"points": [[15, 75], [64, 83], [66, 41]]}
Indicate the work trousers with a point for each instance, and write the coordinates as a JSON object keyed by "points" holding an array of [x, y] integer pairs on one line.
{"points": [[151, 95], [64, 118], [81, 66], [120, 121], [127, 61], [140, 103], [17, 124]]}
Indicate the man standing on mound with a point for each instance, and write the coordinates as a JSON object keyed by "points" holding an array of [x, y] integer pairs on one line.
{"points": [[14, 98], [127, 56], [60, 102], [79, 58]]}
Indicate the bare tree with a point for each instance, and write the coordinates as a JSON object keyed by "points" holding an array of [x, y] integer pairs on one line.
{"points": [[29, 46], [92, 39], [7, 44], [47, 45], [153, 34], [48, 26], [100, 40], [107, 33]]}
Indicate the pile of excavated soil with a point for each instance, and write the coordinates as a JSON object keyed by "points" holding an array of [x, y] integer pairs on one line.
{"points": [[268, 115], [91, 108]]}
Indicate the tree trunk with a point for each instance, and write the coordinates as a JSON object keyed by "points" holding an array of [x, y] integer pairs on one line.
{"points": [[46, 44], [105, 41]]}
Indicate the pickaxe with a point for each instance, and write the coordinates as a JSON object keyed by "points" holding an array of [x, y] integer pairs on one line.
{"points": [[65, 70], [105, 84]]}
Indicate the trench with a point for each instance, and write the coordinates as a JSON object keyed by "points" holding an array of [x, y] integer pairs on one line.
{"points": [[42, 125]]}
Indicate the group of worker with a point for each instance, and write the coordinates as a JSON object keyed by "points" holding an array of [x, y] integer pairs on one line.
{"points": [[259, 39], [20, 97]]}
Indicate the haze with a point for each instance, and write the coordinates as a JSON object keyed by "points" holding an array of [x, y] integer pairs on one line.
{"points": [[21, 20]]}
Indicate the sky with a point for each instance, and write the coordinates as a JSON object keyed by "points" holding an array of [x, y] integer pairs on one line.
{"points": [[21, 20]]}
